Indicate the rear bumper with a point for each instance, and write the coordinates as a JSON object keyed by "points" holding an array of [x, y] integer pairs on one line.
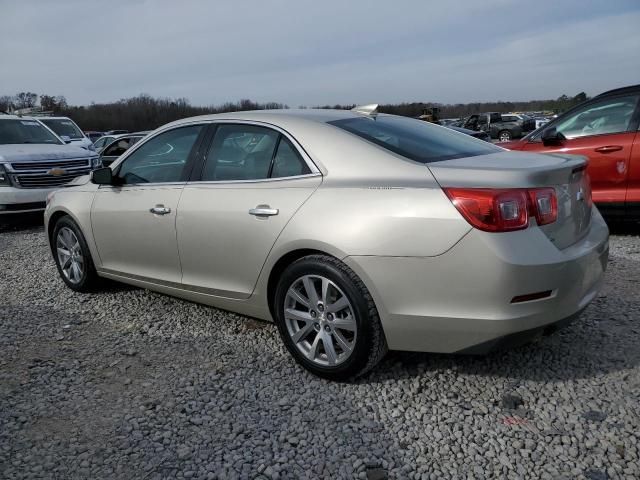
{"points": [[20, 200], [517, 339], [462, 300]]}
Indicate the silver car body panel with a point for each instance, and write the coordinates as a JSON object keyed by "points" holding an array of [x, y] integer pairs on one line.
{"points": [[439, 284]]}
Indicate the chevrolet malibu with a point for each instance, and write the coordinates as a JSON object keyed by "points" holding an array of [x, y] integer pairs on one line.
{"points": [[355, 232]]}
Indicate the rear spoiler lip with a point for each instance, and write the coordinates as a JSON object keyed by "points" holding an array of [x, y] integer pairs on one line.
{"points": [[472, 174]]}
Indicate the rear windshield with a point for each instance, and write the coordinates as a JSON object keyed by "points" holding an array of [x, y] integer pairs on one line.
{"points": [[25, 131], [63, 127], [415, 139]]}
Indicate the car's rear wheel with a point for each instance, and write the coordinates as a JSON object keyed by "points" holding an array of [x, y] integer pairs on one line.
{"points": [[327, 318], [504, 136], [73, 257]]}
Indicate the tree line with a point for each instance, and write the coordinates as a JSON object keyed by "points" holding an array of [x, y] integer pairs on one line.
{"points": [[144, 112]]}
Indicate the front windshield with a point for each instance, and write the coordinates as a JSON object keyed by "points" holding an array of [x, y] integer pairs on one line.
{"points": [[25, 131], [63, 127]]}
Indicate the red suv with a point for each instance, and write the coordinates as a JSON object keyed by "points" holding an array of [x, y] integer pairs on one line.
{"points": [[604, 129]]}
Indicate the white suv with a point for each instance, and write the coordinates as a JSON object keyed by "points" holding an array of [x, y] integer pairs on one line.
{"points": [[35, 162], [68, 131]]}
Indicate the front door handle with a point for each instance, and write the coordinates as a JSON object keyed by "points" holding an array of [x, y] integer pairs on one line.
{"points": [[263, 211], [160, 210], [609, 149]]}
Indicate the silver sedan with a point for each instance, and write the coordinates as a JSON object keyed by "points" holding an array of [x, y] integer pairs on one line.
{"points": [[355, 232]]}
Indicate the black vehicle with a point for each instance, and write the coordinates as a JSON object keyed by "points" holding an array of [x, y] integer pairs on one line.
{"points": [[494, 125]]}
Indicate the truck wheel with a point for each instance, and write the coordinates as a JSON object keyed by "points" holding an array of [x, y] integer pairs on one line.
{"points": [[504, 136]]}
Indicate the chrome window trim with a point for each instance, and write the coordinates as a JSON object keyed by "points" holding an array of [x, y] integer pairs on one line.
{"points": [[204, 183], [315, 171], [138, 185]]}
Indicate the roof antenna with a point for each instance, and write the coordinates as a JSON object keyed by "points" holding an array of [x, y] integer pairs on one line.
{"points": [[371, 109]]}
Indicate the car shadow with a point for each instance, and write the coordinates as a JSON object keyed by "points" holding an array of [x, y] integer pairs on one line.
{"points": [[618, 227], [603, 340], [21, 222]]}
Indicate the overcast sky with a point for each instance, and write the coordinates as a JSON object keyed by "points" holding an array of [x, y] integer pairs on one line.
{"points": [[310, 52]]}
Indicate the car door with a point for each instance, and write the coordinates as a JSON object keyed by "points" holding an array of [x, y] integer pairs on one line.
{"points": [[633, 187], [603, 131], [252, 181], [133, 221]]}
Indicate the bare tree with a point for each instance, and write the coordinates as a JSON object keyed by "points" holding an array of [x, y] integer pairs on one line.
{"points": [[6, 103], [26, 99]]}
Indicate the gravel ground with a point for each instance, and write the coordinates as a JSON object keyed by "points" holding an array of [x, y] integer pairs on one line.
{"points": [[133, 384]]}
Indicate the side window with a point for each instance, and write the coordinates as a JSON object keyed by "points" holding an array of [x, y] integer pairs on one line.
{"points": [[240, 152], [287, 161], [161, 159], [98, 143], [610, 115]]}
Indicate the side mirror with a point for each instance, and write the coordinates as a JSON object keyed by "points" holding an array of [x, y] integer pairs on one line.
{"points": [[551, 137], [102, 176]]}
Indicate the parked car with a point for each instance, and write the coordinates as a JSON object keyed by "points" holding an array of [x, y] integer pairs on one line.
{"points": [[93, 135], [106, 140], [33, 162], [605, 130], [118, 145], [494, 125], [526, 122], [540, 121], [447, 122], [480, 134], [67, 130], [353, 235]]}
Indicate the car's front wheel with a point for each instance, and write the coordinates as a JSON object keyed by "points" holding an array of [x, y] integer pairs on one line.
{"points": [[72, 256], [327, 318]]}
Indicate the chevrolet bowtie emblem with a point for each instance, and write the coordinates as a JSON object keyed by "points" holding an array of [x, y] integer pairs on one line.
{"points": [[56, 172]]}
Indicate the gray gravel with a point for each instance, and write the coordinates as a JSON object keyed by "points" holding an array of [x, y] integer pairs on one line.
{"points": [[133, 384]]}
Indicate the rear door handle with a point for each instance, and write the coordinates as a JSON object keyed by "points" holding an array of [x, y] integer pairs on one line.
{"points": [[160, 210], [263, 211], [609, 149]]}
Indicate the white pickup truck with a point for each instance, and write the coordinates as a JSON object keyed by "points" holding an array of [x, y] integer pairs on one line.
{"points": [[34, 162]]}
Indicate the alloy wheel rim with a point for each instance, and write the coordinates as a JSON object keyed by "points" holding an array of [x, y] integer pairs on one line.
{"points": [[70, 255], [320, 320], [504, 137]]}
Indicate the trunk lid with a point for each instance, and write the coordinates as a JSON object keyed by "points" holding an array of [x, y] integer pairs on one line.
{"points": [[565, 173]]}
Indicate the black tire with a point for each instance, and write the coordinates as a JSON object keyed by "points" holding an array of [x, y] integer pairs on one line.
{"points": [[506, 134], [370, 343], [89, 280]]}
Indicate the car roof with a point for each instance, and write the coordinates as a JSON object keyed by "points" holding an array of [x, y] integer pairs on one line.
{"points": [[622, 90], [15, 117], [289, 116]]}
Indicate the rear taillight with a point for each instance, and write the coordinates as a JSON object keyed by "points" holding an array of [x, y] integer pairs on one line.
{"points": [[504, 210], [543, 205]]}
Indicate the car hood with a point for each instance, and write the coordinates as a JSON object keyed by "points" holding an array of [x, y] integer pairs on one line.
{"points": [[39, 152]]}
